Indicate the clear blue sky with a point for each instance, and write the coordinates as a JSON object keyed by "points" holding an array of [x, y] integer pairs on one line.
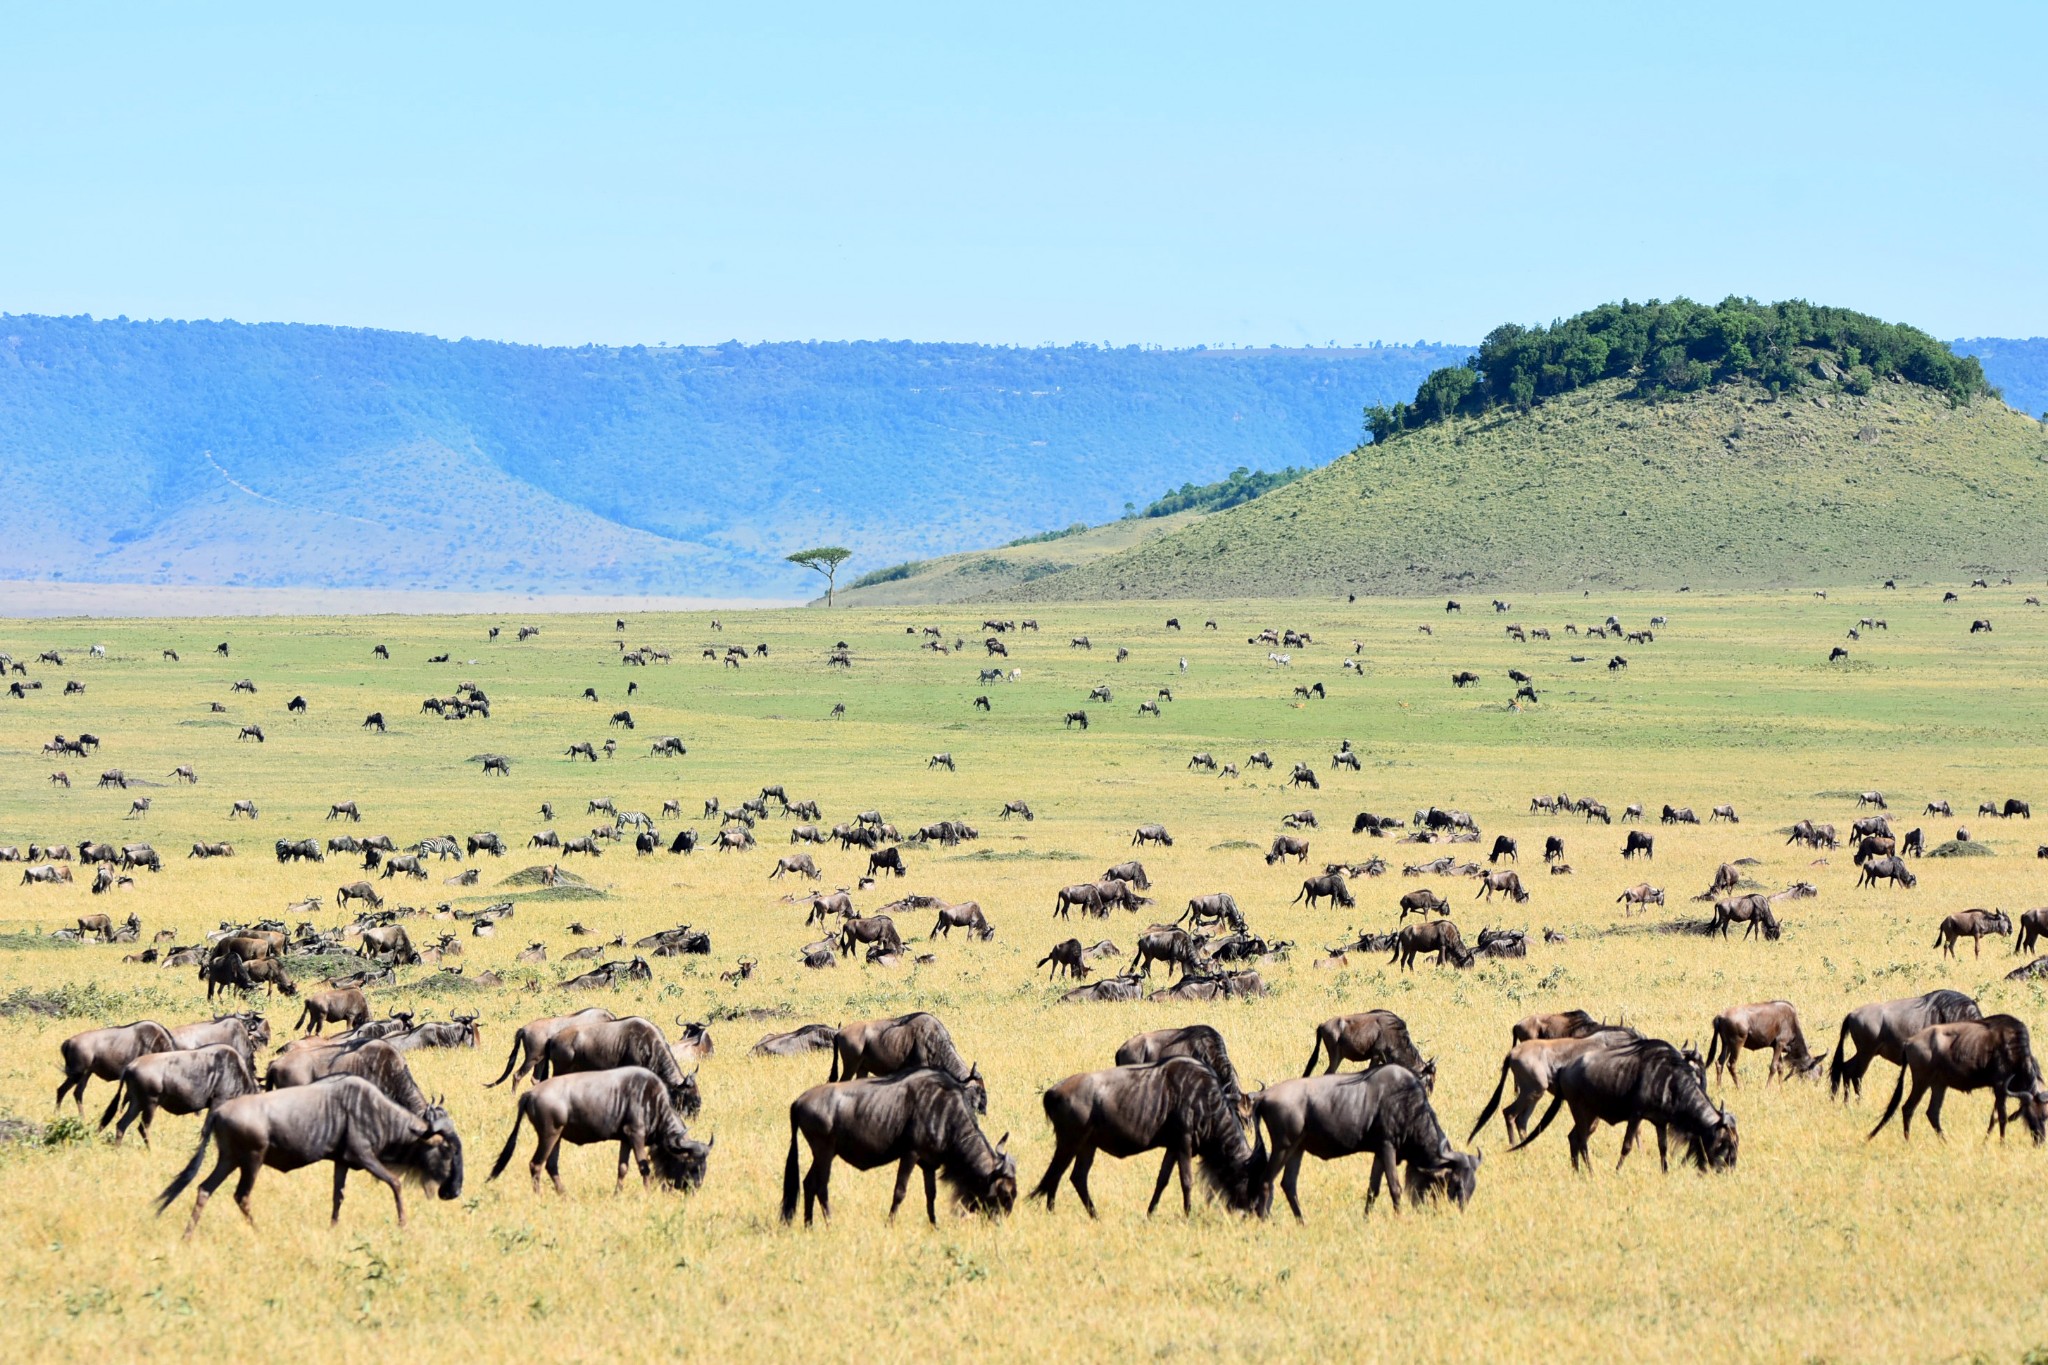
{"points": [[1180, 173]]}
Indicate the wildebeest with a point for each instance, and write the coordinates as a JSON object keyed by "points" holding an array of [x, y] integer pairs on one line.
{"points": [[2033, 926], [1198, 1041], [799, 863], [1132, 872], [919, 1119], [1533, 1063], [1372, 1037], [966, 915], [1509, 883], [1152, 834], [346, 1006], [1753, 912], [1067, 957], [106, 1053], [1887, 868], [627, 1105], [1330, 886], [883, 1047], [809, 1038], [183, 1081], [345, 1121], [531, 1042], [886, 860], [1217, 907], [358, 891], [1424, 902], [877, 930], [370, 1059], [607, 1044], [1109, 989], [1772, 1024], [1880, 1029], [1438, 936], [1178, 1104], [1384, 1111], [1287, 846], [1812, 835], [344, 810], [1303, 776], [1639, 842], [1995, 1051], [295, 850], [1503, 847], [1643, 1080], [1640, 895], [1971, 924], [1164, 943]]}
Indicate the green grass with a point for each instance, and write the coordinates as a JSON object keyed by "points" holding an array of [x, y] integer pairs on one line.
{"points": [[1730, 488], [1818, 1245]]}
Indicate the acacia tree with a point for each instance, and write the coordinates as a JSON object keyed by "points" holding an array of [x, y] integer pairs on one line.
{"points": [[825, 559]]}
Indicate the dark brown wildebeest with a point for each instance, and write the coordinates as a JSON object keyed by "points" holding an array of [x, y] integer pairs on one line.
{"points": [[106, 1053], [966, 915], [358, 891], [1373, 1037], [799, 863], [1872, 824], [1726, 878], [1509, 883], [370, 1059], [345, 1121], [1178, 1104], [390, 942], [1074, 718], [1287, 846], [1198, 1041], [184, 1081], [607, 1044], [2014, 806], [1132, 872], [1971, 924], [1330, 886], [1772, 1024], [886, 860], [1640, 895], [883, 1047], [627, 1105], [1679, 815], [1562, 1024], [1066, 957], [1165, 943], [344, 810], [1464, 678], [1152, 834], [1995, 1051], [917, 1119], [1880, 1029], [2033, 926], [1753, 912], [1639, 842], [869, 929], [1384, 1111], [809, 1038], [1423, 902], [347, 1006], [254, 732], [1503, 847], [1533, 1063], [1303, 776], [1300, 819], [1090, 896], [1938, 808], [1438, 936], [1109, 989], [409, 863], [1218, 907], [532, 1041], [1887, 868], [1871, 799], [1011, 808], [1642, 1080]]}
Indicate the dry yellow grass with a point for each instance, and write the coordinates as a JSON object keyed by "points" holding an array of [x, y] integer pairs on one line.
{"points": [[1817, 1246]]}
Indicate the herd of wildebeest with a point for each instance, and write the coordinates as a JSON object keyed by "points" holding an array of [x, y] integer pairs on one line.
{"points": [[899, 1092]]}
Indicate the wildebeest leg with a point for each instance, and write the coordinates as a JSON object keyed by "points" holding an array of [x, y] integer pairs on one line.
{"points": [[1628, 1141], [1663, 1149], [1082, 1164], [902, 1184], [223, 1166], [1582, 1128], [1159, 1186], [554, 1165], [251, 1165], [1290, 1182], [340, 1181], [818, 1184], [931, 1195], [1997, 1115], [1912, 1103], [1933, 1110], [1049, 1184], [1187, 1180]]}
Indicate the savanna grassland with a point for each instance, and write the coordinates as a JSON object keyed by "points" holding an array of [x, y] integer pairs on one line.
{"points": [[1817, 1245]]}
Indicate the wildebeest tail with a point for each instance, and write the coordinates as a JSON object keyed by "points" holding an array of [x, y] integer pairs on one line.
{"points": [[512, 1138], [1537, 1131], [1715, 1048], [789, 1172], [511, 1058], [1892, 1108], [832, 1076], [114, 1104], [1314, 1053], [1838, 1069], [1492, 1104], [191, 1171]]}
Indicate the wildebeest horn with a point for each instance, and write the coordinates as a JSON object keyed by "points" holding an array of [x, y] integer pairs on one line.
{"points": [[680, 1023], [1002, 1142]]}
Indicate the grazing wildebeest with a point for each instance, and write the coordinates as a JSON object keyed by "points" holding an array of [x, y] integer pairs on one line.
{"points": [[966, 915], [1971, 924], [1509, 882], [922, 1119], [1752, 911], [2014, 806], [591, 1044], [1198, 1041], [1893, 869], [1938, 808], [1303, 776], [886, 860], [1287, 846], [1217, 907], [183, 1081], [1873, 846], [344, 810], [370, 1059], [1871, 799], [1372, 1037], [106, 1053], [1384, 1111], [877, 930], [345, 1121], [1533, 1063], [1068, 957], [347, 1006], [1995, 1051], [1152, 834], [1132, 872], [1423, 902], [532, 1041], [1438, 936], [1643, 1080], [628, 1105], [1772, 1024], [1553, 848], [2033, 926], [1504, 847], [1640, 895], [1812, 835], [1300, 819], [1869, 825], [1880, 1029], [799, 863], [1178, 1104], [883, 1047], [1639, 842], [254, 732], [1464, 678], [1330, 885], [1166, 943]]}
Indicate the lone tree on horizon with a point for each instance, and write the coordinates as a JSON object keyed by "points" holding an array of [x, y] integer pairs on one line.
{"points": [[825, 559]]}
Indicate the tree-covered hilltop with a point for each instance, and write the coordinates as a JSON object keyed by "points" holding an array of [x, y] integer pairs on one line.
{"points": [[1682, 347]]}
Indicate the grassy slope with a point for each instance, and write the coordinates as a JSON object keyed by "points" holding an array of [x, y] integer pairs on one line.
{"points": [[1727, 488], [998, 574], [1862, 1245]]}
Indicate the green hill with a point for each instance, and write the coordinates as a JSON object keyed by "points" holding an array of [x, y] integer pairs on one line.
{"points": [[1731, 483]]}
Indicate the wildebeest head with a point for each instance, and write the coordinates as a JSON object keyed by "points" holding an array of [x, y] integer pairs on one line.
{"points": [[439, 1154], [679, 1159]]}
